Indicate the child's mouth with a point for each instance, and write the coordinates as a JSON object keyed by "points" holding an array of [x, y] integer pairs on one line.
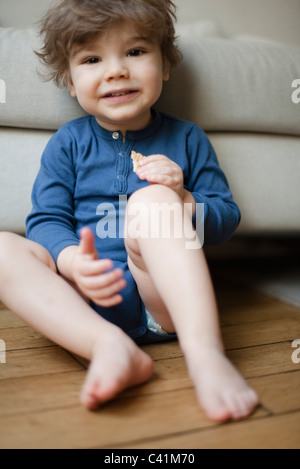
{"points": [[117, 94], [112, 95]]}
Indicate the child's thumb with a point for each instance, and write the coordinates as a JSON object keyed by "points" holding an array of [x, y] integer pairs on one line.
{"points": [[87, 242]]}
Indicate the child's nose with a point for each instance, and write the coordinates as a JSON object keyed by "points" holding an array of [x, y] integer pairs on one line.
{"points": [[116, 69]]}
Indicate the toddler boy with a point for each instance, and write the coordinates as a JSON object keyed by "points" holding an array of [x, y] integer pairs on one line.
{"points": [[100, 294]]}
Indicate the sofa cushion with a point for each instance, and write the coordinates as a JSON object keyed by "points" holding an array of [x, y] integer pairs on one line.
{"points": [[230, 85], [221, 84], [263, 174], [30, 101], [20, 155], [262, 171]]}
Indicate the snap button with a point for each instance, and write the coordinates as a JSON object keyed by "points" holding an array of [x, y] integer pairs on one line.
{"points": [[115, 135]]}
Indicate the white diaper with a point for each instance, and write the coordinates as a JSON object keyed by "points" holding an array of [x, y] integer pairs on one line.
{"points": [[153, 325]]}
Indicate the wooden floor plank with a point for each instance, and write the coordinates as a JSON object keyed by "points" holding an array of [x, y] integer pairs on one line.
{"points": [[232, 294], [279, 393], [52, 390], [252, 362], [234, 336], [32, 394], [263, 360], [40, 385], [247, 311], [279, 432], [121, 421], [261, 332], [247, 307], [41, 361], [17, 338], [166, 351], [9, 319]]}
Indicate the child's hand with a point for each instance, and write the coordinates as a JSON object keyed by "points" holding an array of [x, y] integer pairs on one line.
{"points": [[159, 169], [91, 276]]}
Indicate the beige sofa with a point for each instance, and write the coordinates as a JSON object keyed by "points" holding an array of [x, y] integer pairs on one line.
{"points": [[239, 81]]}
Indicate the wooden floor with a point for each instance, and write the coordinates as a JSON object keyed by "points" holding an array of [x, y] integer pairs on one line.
{"points": [[40, 383]]}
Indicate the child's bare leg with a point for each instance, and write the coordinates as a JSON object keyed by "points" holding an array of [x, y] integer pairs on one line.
{"points": [[30, 287], [173, 279]]}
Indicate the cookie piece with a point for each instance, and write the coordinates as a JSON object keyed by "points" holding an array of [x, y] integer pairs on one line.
{"points": [[136, 158]]}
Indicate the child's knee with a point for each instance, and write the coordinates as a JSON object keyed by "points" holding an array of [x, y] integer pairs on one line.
{"points": [[155, 211], [8, 243], [41, 253], [14, 246], [154, 193]]}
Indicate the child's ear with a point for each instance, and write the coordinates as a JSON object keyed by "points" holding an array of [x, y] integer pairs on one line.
{"points": [[166, 71], [70, 86]]}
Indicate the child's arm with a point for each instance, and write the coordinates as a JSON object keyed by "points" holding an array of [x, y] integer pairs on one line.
{"points": [[52, 224], [95, 278], [204, 183], [209, 186]]}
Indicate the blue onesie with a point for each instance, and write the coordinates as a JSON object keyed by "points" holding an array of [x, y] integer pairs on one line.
{"points": [[86, 176]]}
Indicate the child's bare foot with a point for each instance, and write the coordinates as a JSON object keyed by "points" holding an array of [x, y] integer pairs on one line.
{"points": [[221, 390], [117, 364]]}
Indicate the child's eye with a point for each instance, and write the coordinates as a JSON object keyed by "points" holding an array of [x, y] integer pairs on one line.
{"points": [[136, 52], [92, 60]]}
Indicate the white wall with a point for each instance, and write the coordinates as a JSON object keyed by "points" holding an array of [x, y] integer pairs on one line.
{"points": [[21, 13], [277, 20], [273, 19]]}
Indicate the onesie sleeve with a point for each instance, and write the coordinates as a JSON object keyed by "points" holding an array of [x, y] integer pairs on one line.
{"points": [[209, 186], [51, 222]]}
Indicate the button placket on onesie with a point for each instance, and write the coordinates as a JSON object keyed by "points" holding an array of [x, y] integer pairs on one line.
{"points": [[123, 150]]}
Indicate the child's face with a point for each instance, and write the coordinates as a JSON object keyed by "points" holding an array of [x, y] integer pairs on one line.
{"points": [[118, 77]]}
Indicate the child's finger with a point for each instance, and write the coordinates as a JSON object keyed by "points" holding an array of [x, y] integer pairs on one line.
{"points": [[108, 292], [102, 281], [152, 159], [90, 267], [111, 294], [108, 302], [87, 242]]}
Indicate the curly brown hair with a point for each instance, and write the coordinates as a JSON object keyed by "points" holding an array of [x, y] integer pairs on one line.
{"points": [[71, 23]]}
